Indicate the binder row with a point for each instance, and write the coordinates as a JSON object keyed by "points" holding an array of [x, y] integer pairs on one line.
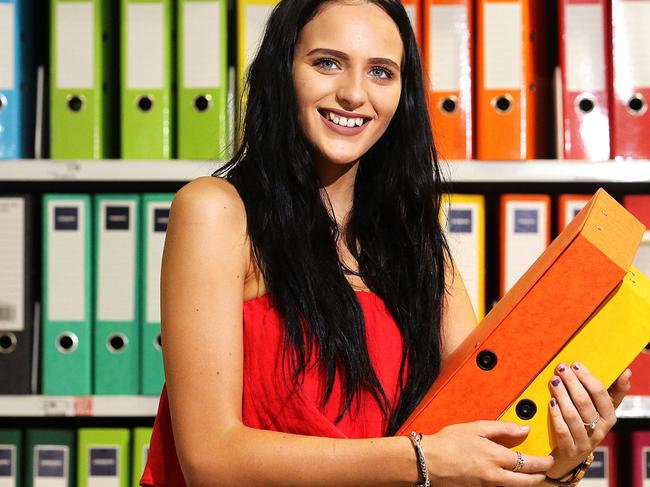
{"points": [[100, 331], [86, 457], [490, 67]]}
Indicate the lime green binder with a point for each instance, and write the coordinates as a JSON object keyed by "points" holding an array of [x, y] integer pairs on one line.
{"points": [[50, 457], [82, 99], [117, 294], [11, 445], [155, 213], [202, 79], [67, 293], [103, 457], [141, 439], [146, 79]]}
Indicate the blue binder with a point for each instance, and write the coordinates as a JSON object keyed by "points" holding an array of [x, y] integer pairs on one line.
{"points": [[17, 79]]}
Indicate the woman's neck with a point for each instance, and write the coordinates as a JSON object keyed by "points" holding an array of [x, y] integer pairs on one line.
{"points": [[338, 188]]}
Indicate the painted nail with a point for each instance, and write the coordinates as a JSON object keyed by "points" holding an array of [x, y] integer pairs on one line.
{"points": [[561, 368], [555, 382], [576, 366], [553, 403]]}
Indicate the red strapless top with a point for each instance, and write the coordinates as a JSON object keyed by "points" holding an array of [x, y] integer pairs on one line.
{"points": [[269, 402]]}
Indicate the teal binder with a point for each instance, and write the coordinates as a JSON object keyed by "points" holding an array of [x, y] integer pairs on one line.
{"points": [[50, 457], [117, 287], [154, 217], [67, 292]]}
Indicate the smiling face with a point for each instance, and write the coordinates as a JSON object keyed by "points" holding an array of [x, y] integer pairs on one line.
{"points": [[346, 76]]}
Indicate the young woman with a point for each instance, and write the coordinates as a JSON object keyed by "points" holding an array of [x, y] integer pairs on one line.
{"points": [[308, 298]]}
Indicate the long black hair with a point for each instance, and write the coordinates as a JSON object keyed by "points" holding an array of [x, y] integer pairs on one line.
{"points": [[393, 230]]}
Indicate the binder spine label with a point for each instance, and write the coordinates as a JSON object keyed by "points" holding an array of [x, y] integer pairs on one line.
{"points": [[145, 39], [411, 11], [597, 475], [202, 42], [12, 263], [158, 215], [256, 17], [7, 41], [503, 46], [66, 276], [7, 466], [104, 466], [630, 46], [585, 53], [117, 248], [75, 45], [460, 221], [572, 209], [448, 47], [526, 221], [51, 466]]}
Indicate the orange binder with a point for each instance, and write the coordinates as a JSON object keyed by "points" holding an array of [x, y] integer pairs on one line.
{"points": [[630, 80], [448, 38], [502, 355], [525, 234], [584, 53], [414, 10], [514, 80], [569, 205]]}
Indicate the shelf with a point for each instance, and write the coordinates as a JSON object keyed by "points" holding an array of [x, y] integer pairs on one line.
{"points": [[95, 406], [455, 171], [634, 407]]}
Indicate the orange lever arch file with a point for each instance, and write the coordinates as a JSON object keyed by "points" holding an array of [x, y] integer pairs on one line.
{"points": [[534, 320]]}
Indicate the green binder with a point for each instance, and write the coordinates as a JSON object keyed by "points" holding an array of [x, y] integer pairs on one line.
{"points": [[67, 286], [11, 444], [202, 79], [82, 38], [141, 439], [103, 457], [50, 457], [117, 285], [146, 131], [155, 213]]}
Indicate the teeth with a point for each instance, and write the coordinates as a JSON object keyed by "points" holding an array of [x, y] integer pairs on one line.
{"points": [[358, 121], [344, 121]]}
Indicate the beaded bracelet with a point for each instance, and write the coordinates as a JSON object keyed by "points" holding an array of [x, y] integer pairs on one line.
{"points": [[422, 464]]}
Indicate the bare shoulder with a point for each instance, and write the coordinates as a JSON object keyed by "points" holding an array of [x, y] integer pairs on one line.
{"points": [[209, 197]]}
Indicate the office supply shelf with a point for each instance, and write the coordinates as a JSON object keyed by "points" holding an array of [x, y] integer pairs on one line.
{"points": [[81, 406]]}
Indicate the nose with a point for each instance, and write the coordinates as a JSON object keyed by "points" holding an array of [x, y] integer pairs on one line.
{"points": [[351, 92]]}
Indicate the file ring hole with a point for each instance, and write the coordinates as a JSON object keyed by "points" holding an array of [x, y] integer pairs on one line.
{"points": [[647, 348], [117, 343], [503, 103], [145, 103], [3, 102], [526, 409], [202, 103], [67, 342], [637, 105], [486, 360], [448, 105], [157, 341], [8, 342], [75, 103], [585, 104]]}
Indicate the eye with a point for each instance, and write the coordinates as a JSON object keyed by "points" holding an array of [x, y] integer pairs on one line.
{"points": [[326, 64], [381, 72]]}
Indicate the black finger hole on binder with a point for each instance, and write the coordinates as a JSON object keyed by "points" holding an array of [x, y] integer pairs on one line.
{"points": [[647, 348], [503, 104], [526, 409], [586, 105], [145, 103], [486, 360], [636, 105], [157, 342], [449, 104], [202, 102], [75, 103], [3, 102], [8, 342], [117, 343], [67, 342]]}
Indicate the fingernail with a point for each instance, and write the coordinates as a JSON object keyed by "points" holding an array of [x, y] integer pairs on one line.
{"points": [[525, 427], [576, 366], [561, 367], [553, 403], [555, 382]]}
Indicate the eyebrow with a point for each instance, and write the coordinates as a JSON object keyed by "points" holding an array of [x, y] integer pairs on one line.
{"points": [[344, 56]]}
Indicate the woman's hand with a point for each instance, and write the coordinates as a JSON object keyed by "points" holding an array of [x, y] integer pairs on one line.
{"points": [[582, 412], [477, 454]]}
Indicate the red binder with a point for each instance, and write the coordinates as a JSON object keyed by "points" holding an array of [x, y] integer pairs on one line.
{"points": [[604, 469], [584, 55], [640, 458], [631, 79], [448, 38]]}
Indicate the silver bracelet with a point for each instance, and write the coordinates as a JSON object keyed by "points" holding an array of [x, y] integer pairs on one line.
{"points": [[422, 463]]}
